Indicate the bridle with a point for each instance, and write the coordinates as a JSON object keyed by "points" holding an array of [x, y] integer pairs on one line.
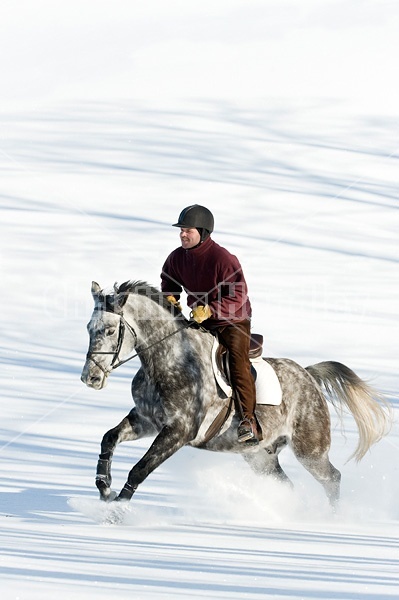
{"points": [[123, 325], [116, 362]]}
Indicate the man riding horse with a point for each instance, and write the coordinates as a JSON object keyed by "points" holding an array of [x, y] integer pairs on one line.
{"points": [[218, 297]]}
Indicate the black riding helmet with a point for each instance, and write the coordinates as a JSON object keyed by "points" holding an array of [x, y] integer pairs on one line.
{"points": [[196, 216]]}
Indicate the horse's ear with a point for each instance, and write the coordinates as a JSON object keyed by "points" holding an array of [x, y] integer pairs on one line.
{"points": [[95, 289], [120, 299]]}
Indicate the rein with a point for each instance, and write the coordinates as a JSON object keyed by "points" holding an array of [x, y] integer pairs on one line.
{"points": [[123, 324]]}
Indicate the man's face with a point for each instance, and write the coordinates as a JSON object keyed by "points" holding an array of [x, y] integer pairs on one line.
{"points": [[189, 237]]}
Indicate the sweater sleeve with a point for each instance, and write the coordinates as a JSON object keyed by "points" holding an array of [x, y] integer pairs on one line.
{"points": [[231, 302], [169, 283]]}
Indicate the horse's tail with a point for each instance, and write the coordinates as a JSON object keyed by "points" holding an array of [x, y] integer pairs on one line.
{"points": [[370, 410]]}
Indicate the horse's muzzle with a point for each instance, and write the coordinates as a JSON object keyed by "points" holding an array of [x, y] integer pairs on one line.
{"points": [[93, 377]]}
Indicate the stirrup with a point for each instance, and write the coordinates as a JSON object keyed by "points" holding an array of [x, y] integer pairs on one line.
{"points": [[247, 431]]}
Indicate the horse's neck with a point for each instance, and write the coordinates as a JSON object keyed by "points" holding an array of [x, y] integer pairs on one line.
{"points": [[155, 329], [151, 321]]}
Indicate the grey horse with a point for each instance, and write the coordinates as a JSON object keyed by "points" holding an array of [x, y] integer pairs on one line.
{"points": [[177, 398]]}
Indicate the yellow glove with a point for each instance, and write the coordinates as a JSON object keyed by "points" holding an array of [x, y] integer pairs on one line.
{"points": [[175, 302], [201, 313]]}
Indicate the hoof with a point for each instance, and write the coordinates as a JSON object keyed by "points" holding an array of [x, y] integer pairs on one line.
{"points": [[106, 494], [110, 497]]}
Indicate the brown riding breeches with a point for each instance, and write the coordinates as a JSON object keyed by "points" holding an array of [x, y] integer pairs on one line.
{"points": [[235, 338]]}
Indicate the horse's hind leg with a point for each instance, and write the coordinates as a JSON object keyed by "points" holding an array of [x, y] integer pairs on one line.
{"points": [[326, 474], [132, 427], [311, 449], [311, 441], [265, 461]]}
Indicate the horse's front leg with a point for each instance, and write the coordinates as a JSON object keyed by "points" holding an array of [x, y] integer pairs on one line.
{"points": [[169, 440], [132, 427]]}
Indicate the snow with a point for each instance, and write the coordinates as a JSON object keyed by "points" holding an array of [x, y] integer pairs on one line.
{"points": [[281, 118]]}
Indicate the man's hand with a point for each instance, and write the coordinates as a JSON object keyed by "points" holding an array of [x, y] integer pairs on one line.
{"points": [[201, 313], [175, 302]]}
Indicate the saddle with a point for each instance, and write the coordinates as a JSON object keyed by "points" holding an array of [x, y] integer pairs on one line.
{"points": [[255, 346]]}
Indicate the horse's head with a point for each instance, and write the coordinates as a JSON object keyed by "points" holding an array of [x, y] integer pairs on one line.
{"points": [[108, 342], [113, 337]]}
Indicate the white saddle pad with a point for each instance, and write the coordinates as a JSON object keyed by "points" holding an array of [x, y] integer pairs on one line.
{"points": [[268, 388]]}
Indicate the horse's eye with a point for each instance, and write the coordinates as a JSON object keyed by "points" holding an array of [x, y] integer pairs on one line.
{"points": [[110, 331]]}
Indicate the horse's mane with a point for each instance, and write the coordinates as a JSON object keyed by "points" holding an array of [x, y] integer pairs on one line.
{"points": [[142, 288]]}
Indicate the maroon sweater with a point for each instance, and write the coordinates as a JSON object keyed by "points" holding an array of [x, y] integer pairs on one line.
{"points": [[209, 274]]}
